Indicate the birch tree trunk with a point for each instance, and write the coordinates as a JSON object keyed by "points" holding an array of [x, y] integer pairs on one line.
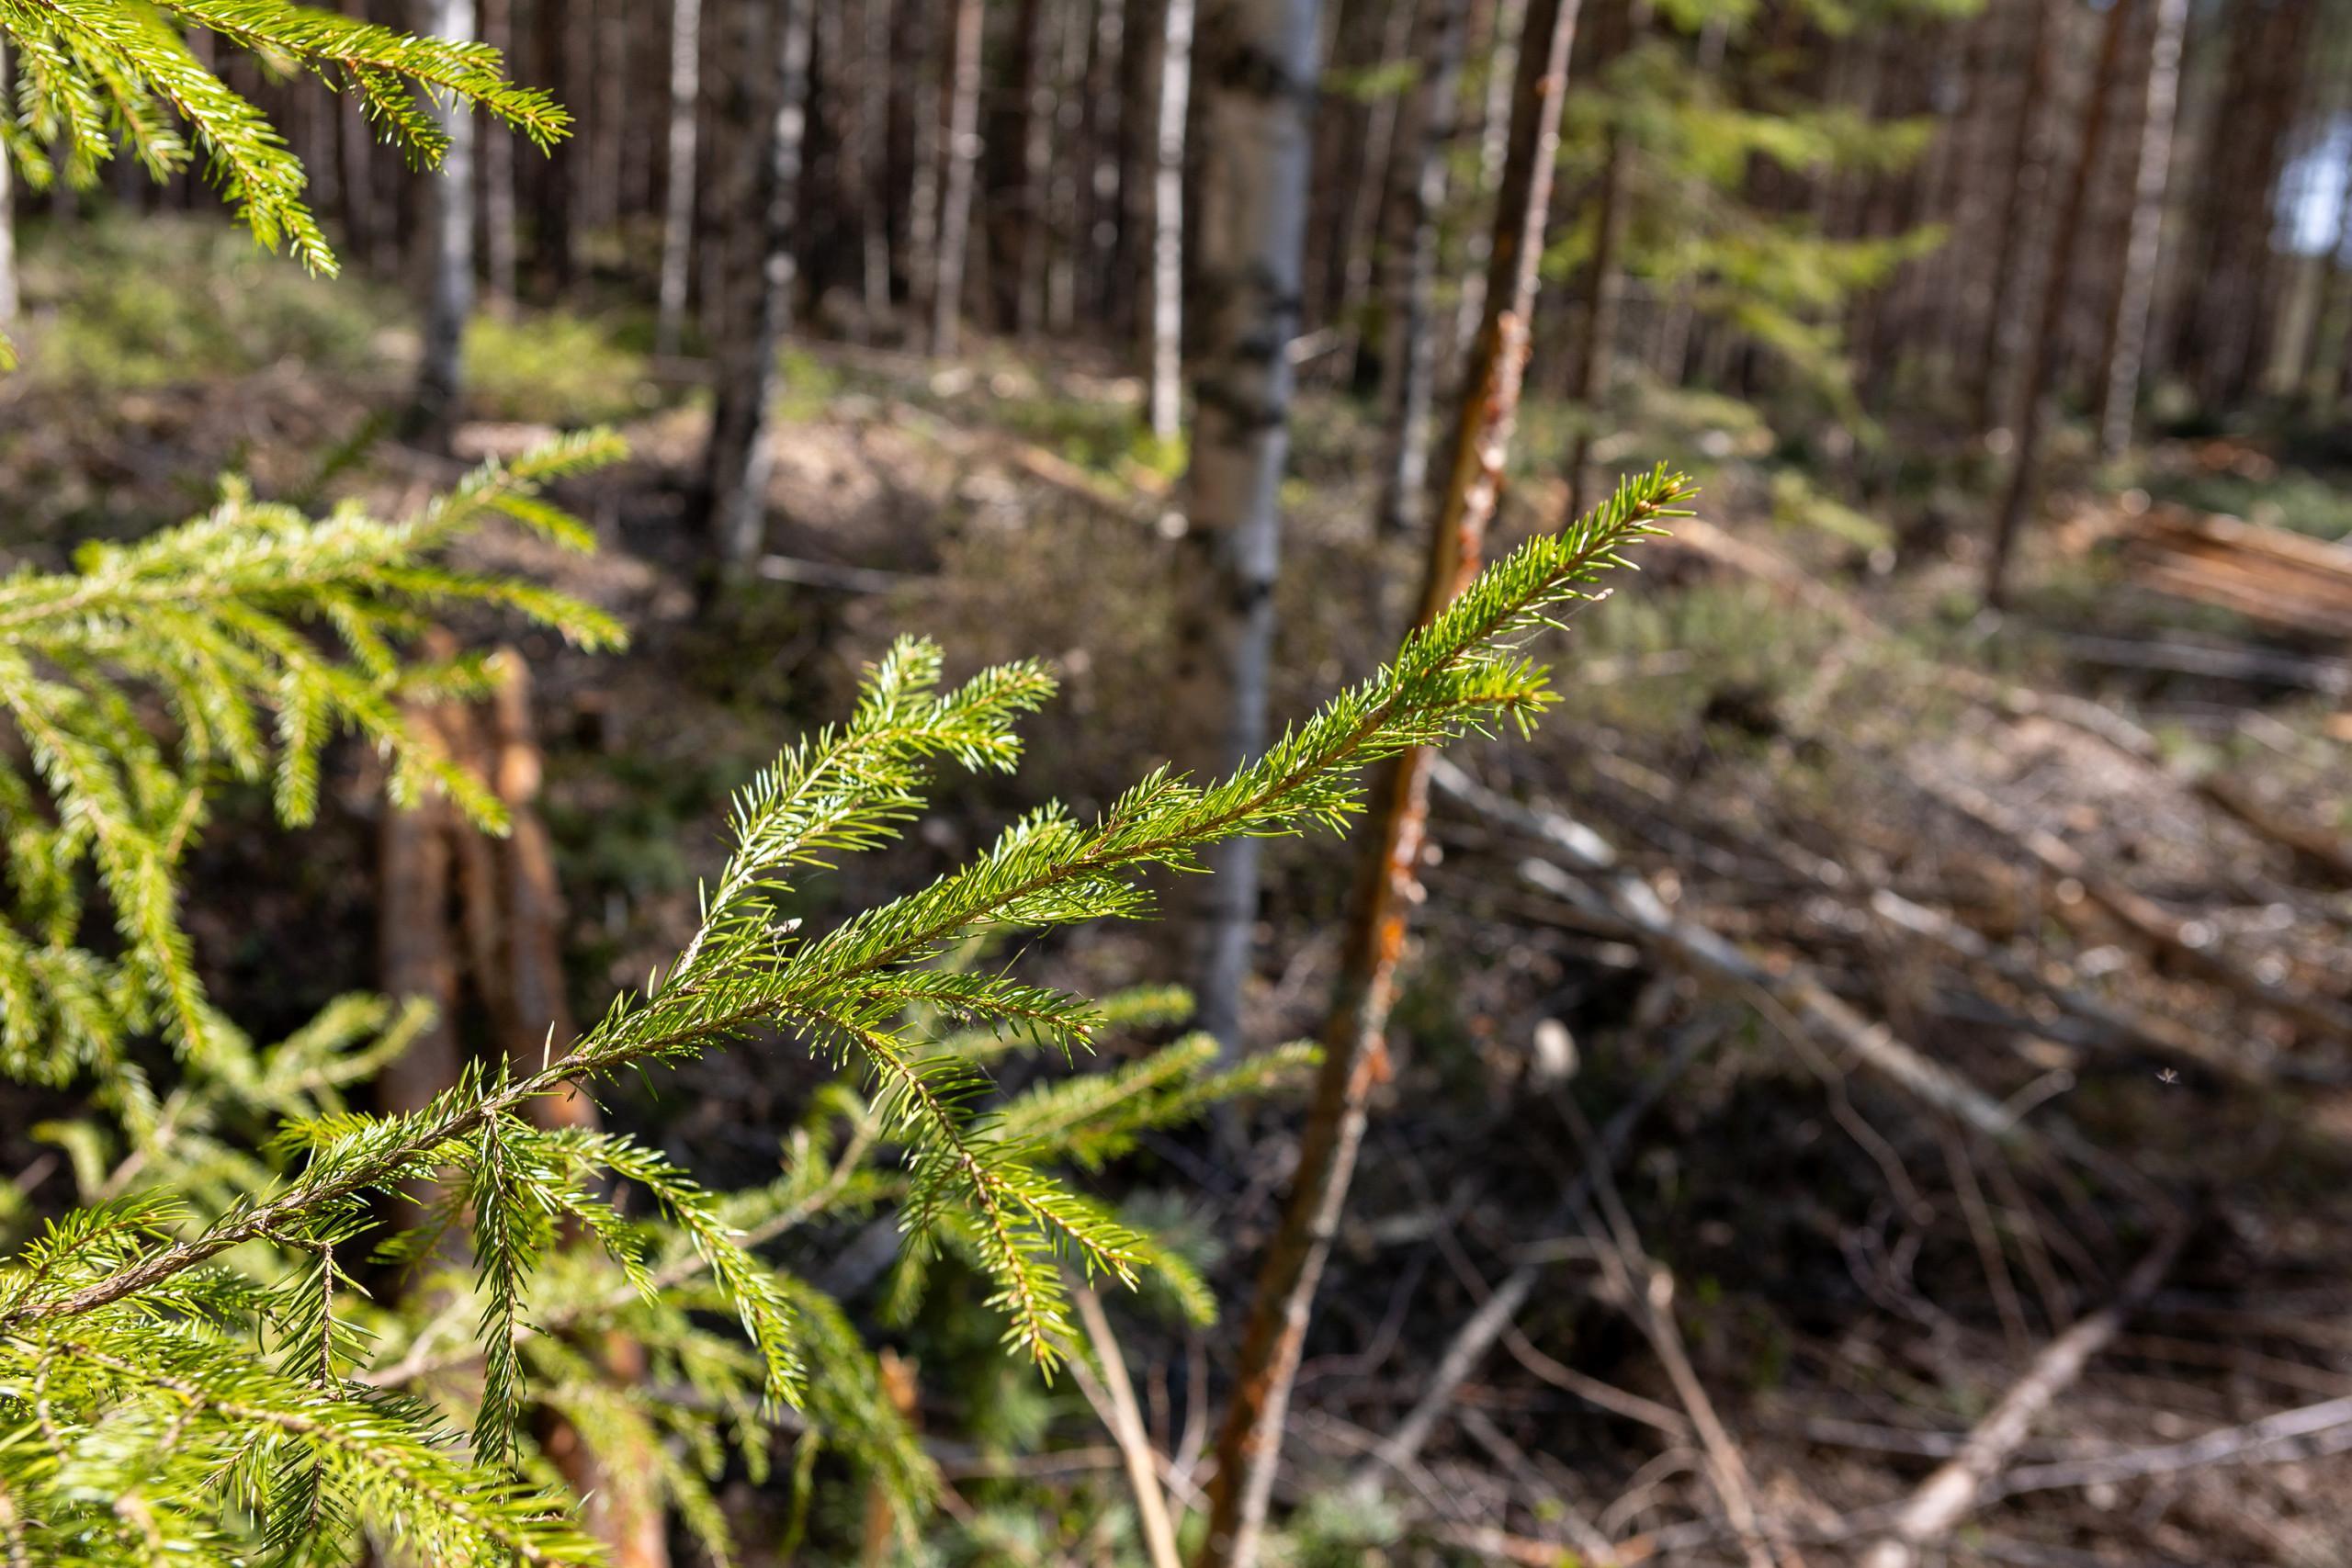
{"points": [[2057, 284], [1408, 469], [499, 263], [959, 156], [2121, 383], [866, 158], [739, 459], [1259, 59], [1248, 1444], [1168, 223], [440, 382], [1071, 159], [678, 206]]}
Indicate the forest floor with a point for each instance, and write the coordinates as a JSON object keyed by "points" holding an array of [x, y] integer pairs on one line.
{"points": [[2086, 864]]}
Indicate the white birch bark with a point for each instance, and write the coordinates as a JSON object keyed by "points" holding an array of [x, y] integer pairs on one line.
{"points": [[959, 156], [440, 381], [2145, 246], [740, 456], [678, 210], [1168, 223], [1259, 61]]}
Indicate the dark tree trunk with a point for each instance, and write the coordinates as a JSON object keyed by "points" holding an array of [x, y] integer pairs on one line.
{"points": [[740, 457], [1406, 495], [2016, 500], [2128, 335], [2026, 175]]}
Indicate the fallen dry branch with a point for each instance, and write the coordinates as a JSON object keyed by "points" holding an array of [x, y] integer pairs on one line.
{"points": [[2311, 1431], [2314, 843], [1495, 1315], [1500, 1545], [2142, 916], [1591, 1546], [1598, 884], [2308, 841], [1592, 1391], [832, 575], [1959, 1486], [2249, 1063], [1645, 1289]]}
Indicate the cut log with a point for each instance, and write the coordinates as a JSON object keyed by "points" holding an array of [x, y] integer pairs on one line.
{"points": [[2274, 575], [415, 955], [2141, 915]]}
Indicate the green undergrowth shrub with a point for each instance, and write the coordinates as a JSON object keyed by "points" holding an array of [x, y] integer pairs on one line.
{"points": [[117, 306], [554, 367]]}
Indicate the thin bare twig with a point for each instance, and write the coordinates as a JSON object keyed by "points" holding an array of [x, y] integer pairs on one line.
{"points": [[1646, 1291], [1124, 1419], [1494, 1315]]}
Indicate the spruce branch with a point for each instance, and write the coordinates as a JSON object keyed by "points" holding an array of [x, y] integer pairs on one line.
{"points": [[99, 72], [222, 624], [1456, 674], [318, 1446]]}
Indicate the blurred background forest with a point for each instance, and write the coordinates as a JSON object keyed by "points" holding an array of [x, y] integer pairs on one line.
{"points": [[1886, 1039]]}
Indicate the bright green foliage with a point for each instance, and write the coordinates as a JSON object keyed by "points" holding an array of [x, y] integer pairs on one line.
{"points": [[211, 624], [137, 1420], [97, 78], [1689, 145]]}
